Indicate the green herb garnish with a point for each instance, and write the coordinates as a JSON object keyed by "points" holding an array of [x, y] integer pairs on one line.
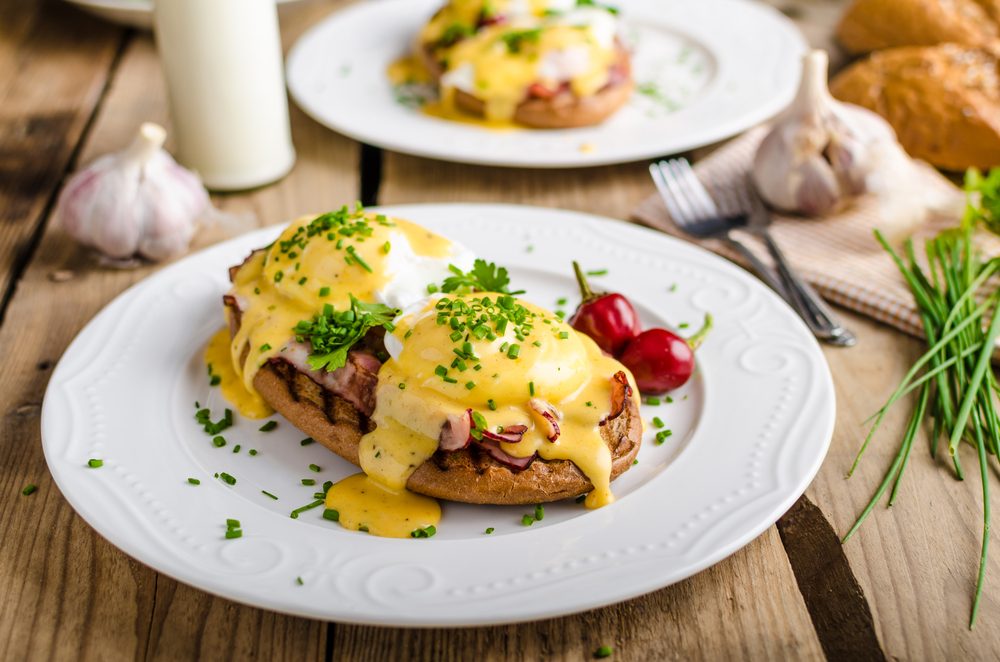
{"points": [[95, 463], [983, 205], [267, 427], [483, 277], [426, 532], [332, 333], [29, 489]]}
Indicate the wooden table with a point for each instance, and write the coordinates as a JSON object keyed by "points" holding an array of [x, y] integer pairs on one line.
{"points": [[72, 87]]}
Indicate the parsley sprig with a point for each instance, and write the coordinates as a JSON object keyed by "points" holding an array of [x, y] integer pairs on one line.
{"points": [[483, 277], [332, 333]]}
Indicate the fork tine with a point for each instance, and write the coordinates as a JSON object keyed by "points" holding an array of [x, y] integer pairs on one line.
{"points": [[687, 213], [696, 190], [682, 193], [676, 213]]}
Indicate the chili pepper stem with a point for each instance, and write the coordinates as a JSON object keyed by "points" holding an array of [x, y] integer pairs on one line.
{"points": [[585, 292], [695, 341]]}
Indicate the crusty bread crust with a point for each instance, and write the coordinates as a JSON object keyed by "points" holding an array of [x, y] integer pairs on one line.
{"points": [[466, 475]]}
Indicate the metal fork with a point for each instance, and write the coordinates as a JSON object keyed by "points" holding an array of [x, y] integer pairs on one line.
{"points": [[695, 212]]}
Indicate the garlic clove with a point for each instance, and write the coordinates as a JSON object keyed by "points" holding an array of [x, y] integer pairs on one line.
{"points": [[820, 153], [137, 202]]}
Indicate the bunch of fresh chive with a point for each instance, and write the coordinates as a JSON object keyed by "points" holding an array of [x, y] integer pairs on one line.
{"points": [[953, 380]]}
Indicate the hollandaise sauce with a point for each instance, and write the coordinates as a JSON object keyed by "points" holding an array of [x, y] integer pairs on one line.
{"points": [[219, 359], [366, 504]]}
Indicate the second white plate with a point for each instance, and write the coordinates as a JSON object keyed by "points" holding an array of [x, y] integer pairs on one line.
{"points": [[705, 70]]}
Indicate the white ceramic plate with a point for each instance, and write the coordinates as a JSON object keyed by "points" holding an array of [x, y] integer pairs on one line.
{"points": [[720, 66], [134, 13], [750, 432]]}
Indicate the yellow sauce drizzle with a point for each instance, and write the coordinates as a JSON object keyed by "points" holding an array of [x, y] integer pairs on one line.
{"points": [[247, 403], [364, 503]]}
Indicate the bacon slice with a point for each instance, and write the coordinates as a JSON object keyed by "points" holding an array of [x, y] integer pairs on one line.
{"points": [[455, 433], [621, 391], [510, 434], [498, 454], [355, 381], [550, 417]]}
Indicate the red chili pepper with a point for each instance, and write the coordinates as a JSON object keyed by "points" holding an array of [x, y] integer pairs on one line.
{"points": [[606, 317], [661, 360]]}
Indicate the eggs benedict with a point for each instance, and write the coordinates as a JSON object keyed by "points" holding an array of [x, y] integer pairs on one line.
{"points": [[538, 63], [414, 370]]}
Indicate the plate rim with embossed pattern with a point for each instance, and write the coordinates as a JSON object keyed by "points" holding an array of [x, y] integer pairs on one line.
{"points": [[765, 427]]}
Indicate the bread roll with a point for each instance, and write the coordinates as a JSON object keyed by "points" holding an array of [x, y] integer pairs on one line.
{"points": [[943, 101], [870, 25]]}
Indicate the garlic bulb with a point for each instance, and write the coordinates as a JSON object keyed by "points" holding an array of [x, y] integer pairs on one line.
{"points": [[137, 202], [821, 152]]}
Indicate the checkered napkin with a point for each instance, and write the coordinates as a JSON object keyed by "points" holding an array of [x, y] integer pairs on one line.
{"points": [[838, 255]]}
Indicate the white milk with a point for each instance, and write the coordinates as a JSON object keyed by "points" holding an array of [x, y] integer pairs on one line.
{"points": [[223, 65]]}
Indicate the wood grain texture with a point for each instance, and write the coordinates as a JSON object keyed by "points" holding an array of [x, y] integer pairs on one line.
{"points": [[65, 593], [41, 125], [737, 610], [917, 561]]}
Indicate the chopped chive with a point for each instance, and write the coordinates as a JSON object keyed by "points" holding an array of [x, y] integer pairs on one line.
{"points": [[324, 291], [561, 301], [491, 404], [219, 441], [331, 514], [315, 468], [386, 247], [29, 489], [470, 385], [304, 279], [232, 524], [252, 451], [308, 481], [307, 441], [651, 400], [431, 288], [683, 325], [298, 580], [527, 520], [513, 352], [658, 422], [563, 335], [451, 380], [539, 513], [426, 532], [226, 478], [561, 314], [489, 530], [662, 435], [309, 506], [440, 371], [670, 400], [278, 275], [402, 386], [361, 262], [265, 347], [267, 427], [531, 388], [635, 462], [603, 651], [268, 494], [236, 448], [234, 533], [215, 380], [597, 272], [194, 481], [95, 463]]}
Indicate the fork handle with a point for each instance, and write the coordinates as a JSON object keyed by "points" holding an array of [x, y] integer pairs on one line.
{"points": [[820, 317], [765, 274]]}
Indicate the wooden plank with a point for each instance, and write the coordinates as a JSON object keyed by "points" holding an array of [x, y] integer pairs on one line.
{"points": [[917, 562], [725, 613], [64, 591], [40, 125]]}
